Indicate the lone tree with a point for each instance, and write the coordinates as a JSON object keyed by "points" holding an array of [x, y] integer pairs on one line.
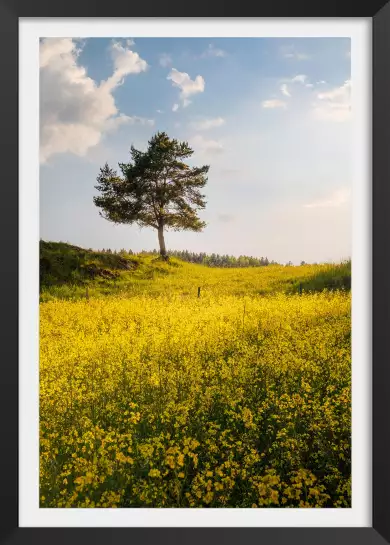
{"points": [[157, 189]]}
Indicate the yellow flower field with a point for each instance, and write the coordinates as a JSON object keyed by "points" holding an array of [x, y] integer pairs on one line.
{"points": [[177, 401]]}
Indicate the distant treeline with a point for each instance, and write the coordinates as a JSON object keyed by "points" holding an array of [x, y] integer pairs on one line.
{"points": [[216, 260], [210, 260]]}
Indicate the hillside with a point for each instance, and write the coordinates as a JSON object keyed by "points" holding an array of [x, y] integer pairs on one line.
{"points": [[66, 271]]}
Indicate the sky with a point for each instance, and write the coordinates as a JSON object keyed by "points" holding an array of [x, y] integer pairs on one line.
{"points": [[270, 116]]}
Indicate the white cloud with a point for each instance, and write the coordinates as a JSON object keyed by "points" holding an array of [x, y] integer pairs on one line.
{"points": [[334, 105], [206, 124], [130, 42], [159, 111], [336, 93], [165, 60], [212, 51], [187, 86], [309, 85], [125, 62], [322, 82], [274, 103], [115, 122], [175, 107], [338, 198], [75, 111], [284, 90], [203, 145], [300, 78]]}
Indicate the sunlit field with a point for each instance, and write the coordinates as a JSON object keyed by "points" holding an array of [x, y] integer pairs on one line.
{"points": [[190, 357], [151, 396]]}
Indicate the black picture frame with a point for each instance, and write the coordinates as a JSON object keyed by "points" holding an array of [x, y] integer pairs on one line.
{"points": [[10, 12]]}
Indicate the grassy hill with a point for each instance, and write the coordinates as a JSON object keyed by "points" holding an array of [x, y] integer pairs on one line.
{"points": [[66, 271]]}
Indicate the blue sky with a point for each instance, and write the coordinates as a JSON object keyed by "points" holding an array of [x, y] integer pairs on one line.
{"points": [[270, 116]]}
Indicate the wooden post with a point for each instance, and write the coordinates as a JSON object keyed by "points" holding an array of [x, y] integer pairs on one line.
{"points": [[198, 292], [86, 293]]}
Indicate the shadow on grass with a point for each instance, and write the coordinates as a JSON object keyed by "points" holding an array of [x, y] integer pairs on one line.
{"points": [[335, 277]]}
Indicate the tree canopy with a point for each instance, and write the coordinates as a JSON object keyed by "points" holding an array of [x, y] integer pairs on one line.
{"points": [[156, 189]]}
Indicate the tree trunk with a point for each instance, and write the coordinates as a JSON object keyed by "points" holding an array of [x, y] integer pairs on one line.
{"points": [[161, 241]]}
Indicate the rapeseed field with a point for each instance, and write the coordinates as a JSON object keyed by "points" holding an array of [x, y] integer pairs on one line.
{"points": [[153, 397]]}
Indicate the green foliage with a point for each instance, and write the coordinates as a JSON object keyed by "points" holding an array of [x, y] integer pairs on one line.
{"points": [[156, 189], [331, 278], [217, 260], [61, 263]]}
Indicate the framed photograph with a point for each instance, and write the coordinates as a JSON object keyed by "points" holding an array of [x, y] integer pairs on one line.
{"points": [[200, 255]]}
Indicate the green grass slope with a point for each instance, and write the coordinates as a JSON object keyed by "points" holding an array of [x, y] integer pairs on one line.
{"points": [[71, 272]]}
